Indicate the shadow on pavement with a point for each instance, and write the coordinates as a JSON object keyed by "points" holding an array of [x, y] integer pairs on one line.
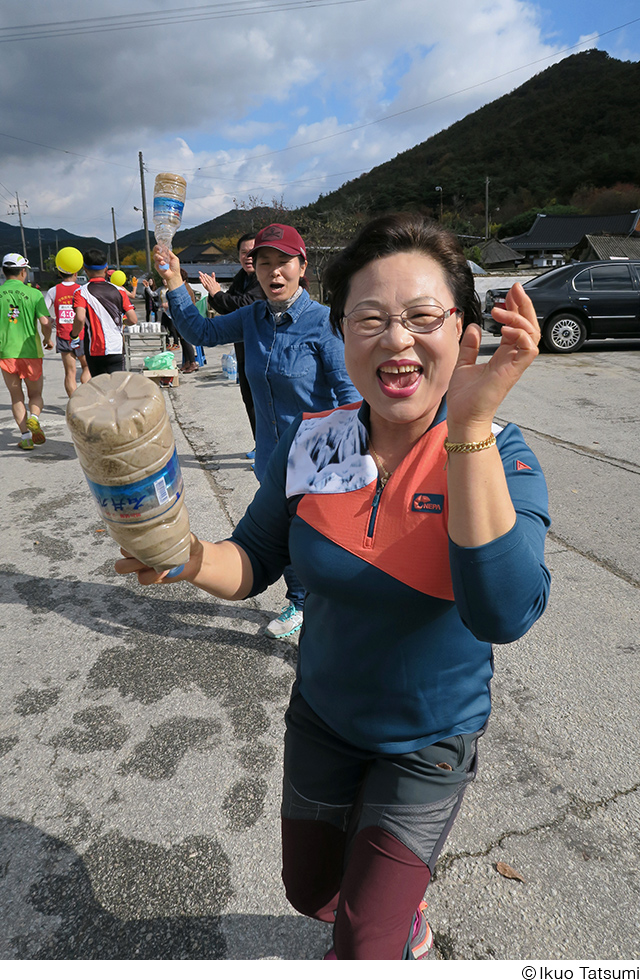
{"points": [[123, 610], [129, 899]]}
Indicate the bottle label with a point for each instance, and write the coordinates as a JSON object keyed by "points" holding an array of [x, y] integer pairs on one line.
{"points": [[134, 503], [168, 206]]}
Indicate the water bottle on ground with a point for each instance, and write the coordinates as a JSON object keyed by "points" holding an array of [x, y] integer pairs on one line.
{"points": [[169, 193], [123, 438], [224, 361], [232, 368]]}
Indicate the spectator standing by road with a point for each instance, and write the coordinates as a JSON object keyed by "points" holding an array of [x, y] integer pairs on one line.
{"points": [[59, 300], [151, 299], [243, 290], [293, 361], [99, 310], [22, 308]]}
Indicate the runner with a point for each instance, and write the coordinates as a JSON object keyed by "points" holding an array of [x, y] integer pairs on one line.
{"points": [[100, 307], [59, 302], [22, 308]]}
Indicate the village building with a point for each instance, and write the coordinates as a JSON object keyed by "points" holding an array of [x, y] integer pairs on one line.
{"points": [[552, 238]]}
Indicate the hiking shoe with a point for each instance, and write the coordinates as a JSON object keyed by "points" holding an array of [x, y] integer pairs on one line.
{"points": [[33, 425], [289, 621], [422, 939], [251, 454], [26, 443]]}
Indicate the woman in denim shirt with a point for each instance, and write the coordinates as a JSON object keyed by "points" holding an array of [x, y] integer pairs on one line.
{"points": [[293, 361]]}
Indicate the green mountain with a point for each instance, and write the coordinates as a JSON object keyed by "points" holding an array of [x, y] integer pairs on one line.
{"points": [[574, 125], [49, 239], [233, 223]]}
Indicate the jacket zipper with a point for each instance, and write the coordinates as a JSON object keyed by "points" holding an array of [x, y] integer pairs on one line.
{"points": [[374, 511]]}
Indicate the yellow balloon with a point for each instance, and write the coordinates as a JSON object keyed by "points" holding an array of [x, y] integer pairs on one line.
{"points": [[118, 278], [69, 260]]}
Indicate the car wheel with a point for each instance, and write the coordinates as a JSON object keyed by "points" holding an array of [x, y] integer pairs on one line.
{"points": [[564, 334]]}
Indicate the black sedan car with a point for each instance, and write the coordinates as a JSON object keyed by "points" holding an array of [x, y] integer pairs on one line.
{"points": [[579, 302]]}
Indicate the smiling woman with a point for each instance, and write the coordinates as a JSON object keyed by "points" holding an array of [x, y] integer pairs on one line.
{"points": [[408, 517]]}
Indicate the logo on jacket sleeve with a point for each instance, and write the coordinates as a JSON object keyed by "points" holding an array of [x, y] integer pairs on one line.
{"points": [[428, 503]]}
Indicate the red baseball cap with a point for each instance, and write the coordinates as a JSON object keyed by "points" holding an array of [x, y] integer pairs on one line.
{"points": [[283, 237]]}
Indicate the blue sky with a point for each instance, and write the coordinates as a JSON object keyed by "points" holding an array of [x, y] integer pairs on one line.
{"points": [[276, 103]]}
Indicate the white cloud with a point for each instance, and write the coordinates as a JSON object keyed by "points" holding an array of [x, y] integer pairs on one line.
{"points": [[249, 132]]}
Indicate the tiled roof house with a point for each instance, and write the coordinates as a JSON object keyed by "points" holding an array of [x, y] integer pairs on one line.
{"points": [[552, 237], [607, 247], [210, 259]]}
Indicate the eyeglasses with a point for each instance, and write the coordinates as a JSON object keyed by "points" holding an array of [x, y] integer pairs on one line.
{"points": [[417, 319]]}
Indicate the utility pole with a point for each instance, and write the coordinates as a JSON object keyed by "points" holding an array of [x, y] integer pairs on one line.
{"points": [[40, 247], [440, 189], [144, 214], [486, 208], [115, 237], [24, 244]]}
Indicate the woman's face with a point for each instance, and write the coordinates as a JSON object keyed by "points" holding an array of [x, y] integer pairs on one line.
{"points": [[278, 274], [402, 375]]}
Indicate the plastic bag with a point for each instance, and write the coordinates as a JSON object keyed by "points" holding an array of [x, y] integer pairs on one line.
{"points": [[160, 362]]}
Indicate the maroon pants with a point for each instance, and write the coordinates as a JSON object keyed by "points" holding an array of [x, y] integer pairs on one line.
{"points": [[374, 899]]}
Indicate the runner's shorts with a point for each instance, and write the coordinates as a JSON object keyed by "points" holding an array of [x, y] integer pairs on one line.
{"points": [[27, 368], [415, 796], [63, 346]]}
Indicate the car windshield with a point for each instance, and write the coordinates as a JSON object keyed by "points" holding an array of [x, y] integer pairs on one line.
{"points": [[546, 277]]}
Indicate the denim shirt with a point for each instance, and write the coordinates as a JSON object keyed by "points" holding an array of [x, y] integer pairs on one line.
{"points": [[293, 362]]}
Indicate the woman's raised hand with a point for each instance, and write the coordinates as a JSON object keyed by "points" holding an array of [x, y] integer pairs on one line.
{"points": [[168, 266], [477, 390]]}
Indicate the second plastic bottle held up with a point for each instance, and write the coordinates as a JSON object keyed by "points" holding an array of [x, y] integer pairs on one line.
{"points": [[123, 438], [169, 195]]}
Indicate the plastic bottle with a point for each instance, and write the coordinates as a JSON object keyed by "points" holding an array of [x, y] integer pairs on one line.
{"points": [[224, 360], [152, 316], [232, 368], [123, 438], [169, 193]]}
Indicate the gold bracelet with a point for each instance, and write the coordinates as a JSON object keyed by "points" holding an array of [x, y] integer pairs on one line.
{"points": [[469, 447]]}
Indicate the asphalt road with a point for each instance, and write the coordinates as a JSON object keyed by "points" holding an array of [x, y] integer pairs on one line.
{"points": [[141, 729]]}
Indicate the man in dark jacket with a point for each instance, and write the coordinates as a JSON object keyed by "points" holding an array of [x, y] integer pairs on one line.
{"points": [[244, 290]]}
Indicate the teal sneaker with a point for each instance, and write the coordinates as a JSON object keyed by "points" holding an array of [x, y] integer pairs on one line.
{"points": [[289, 621]]}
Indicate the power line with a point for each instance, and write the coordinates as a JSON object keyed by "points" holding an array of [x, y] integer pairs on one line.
{"points": [[128, 22], [45, 146]]}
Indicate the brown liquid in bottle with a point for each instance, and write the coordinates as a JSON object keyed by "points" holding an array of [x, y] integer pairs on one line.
{"points": [[123, 438]]}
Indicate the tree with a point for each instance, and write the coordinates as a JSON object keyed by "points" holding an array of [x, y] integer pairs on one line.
{"points": [[325, 231], [138, 258]]}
